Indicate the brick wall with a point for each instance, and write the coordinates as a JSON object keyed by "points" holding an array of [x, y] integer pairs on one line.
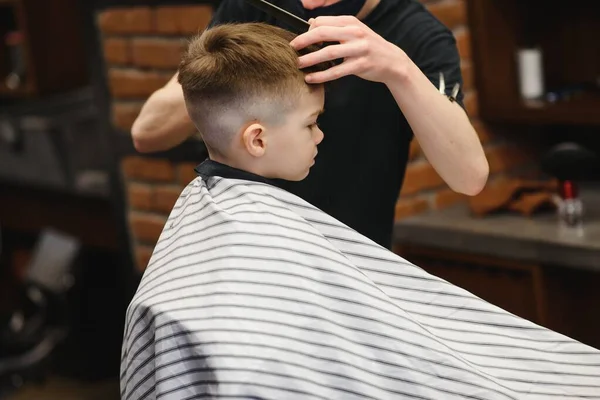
{"points": [[142, 46]]}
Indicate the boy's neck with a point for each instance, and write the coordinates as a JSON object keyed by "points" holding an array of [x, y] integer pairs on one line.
{"points": [[211, 168], [242, 166]]}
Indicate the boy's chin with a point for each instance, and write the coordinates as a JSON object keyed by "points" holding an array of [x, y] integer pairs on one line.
{"points": [[296, 177]]}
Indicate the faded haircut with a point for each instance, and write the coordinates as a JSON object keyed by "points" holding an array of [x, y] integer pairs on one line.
{"points": [[235, 73]]}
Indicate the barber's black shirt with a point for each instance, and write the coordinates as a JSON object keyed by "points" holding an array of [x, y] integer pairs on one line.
{"points": [[362, 160]]}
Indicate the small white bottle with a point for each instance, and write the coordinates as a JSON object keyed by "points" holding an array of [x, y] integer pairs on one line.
{"points": [[531, 73]]}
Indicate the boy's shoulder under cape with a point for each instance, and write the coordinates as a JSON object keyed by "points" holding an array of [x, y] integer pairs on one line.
{"points": [[252, 293]]}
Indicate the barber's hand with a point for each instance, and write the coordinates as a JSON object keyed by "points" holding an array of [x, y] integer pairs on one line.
{"points": [[365, 53]]}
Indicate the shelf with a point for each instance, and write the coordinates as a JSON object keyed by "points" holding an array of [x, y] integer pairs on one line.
{"points": [[24, 91], [30, 209], [567, 36], [578, 111]]}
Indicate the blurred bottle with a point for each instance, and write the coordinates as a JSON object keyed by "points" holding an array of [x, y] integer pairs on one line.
{"points": [[16, 59], [570, 208], [531, 73]]}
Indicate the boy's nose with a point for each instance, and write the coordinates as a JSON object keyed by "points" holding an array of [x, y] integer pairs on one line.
{"points": [[319, 136]]}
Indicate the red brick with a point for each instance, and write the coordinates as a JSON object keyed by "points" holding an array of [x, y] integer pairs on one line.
{"points": [[466, 68], [463, 42], [146, 227], [165, 198], [148, 169], [506, 157], [447, 197], [140, 196], [124, 114], [132, 84], [186, 173], [408, 207], [420, 176], [145, 197], [415, 149], [471, 104], [183, 19], [142, 257], [126, 20], [157, 53], [451, 13], [116, 51]]}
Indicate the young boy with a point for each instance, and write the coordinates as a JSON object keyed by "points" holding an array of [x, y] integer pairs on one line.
{"points": [[253, 293], [249, 100]]}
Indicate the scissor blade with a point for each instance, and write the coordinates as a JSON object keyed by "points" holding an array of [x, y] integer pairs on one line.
{"points": [[292, 20]]}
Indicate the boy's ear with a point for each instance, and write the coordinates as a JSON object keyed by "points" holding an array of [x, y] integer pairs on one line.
{"points": [[254, 139]]}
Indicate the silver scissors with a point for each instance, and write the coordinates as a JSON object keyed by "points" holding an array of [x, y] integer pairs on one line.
{"points": [[442, 88]]}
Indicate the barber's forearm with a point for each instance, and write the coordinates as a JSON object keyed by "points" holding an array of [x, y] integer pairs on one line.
{"points": [[163, 122], [443, 130]]}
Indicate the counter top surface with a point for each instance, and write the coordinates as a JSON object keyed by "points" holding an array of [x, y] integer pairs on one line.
{"points": [[509, 235]]}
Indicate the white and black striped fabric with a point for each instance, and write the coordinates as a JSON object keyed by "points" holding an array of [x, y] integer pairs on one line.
{"points": [[252, 293]]}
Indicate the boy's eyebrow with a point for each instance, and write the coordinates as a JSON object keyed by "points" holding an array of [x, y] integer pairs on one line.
{"points": [[318, 112]]}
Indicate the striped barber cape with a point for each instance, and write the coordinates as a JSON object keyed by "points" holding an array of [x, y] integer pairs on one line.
{"points": [[253, 293]]}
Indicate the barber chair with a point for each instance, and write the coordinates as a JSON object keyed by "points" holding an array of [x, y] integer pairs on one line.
{"points": [[37, 323]]}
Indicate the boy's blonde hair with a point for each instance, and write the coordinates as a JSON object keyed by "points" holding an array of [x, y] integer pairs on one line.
{"points": [[235, 73]]}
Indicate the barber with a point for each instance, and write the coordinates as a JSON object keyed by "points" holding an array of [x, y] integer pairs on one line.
{"points": [[382, 94]]}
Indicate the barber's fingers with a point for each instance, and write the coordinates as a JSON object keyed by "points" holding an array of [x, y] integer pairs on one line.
{"points": [[334, 20], [333, 52], [348, 67], [327, 34]]}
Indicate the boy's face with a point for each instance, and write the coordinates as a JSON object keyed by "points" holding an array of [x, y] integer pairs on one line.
{"points": [[292, 145]]}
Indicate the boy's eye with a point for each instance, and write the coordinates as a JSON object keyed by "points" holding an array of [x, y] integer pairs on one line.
{"points": [[313, 125]]}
